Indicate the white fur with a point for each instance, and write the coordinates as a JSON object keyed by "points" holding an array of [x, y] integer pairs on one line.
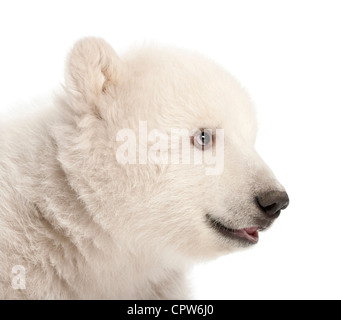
{"points": [[85, 226]]}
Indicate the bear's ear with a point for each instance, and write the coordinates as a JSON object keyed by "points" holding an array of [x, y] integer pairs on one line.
{"points": [[92, 71]]}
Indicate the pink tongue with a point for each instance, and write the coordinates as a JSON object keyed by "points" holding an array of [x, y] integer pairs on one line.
{"points": [[251, 230], [249, 233]]}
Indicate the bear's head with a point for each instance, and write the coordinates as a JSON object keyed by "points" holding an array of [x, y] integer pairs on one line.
{"points": [[159, 146]]}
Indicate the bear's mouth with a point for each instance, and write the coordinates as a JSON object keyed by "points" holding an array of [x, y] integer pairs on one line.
{"points": [[249, 234]]}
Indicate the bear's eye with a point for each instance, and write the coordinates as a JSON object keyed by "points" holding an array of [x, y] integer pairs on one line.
{"points": [[203, 139]]}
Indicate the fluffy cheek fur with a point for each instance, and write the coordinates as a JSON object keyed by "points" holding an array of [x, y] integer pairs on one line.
{"points": [[151, 213]]}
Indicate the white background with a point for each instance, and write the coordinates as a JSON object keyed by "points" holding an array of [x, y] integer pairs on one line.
{"points": [[286, 53]]}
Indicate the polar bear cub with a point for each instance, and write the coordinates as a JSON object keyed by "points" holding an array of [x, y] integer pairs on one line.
{"points": [[142, 166]]}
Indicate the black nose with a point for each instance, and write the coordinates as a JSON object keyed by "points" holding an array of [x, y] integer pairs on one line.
{"points": [[272, 202]]}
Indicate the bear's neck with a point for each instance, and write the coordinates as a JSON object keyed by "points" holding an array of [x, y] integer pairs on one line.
{"points": [[76, 250]]}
